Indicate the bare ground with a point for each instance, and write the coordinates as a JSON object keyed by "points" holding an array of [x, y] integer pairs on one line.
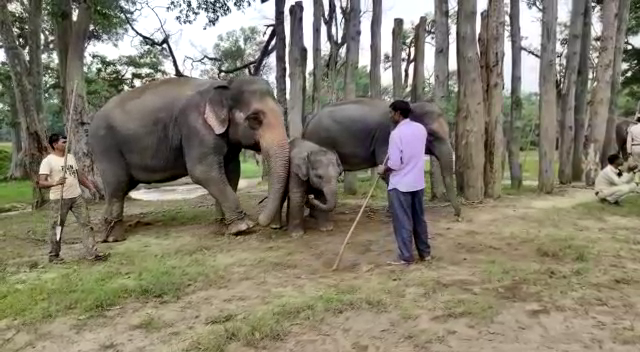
{"points": [[534, 273]]}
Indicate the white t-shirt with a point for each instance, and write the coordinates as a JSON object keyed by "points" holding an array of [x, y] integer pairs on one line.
{"points": [[52, 165]]}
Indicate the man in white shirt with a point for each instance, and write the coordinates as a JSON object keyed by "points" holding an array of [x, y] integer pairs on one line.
{"points": [[612, 184], [53, 176], [633, 142]]}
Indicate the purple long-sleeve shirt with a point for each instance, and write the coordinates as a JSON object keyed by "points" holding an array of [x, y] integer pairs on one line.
{"points": [[406, 156]]}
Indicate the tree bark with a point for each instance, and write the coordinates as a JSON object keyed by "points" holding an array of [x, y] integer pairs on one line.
{"points": [[34, 142], [351, 65], [494, 144], [417, 83], [567, 119], [396, 58], [621, 36], [71, 39], [515, 115], [441, 85], [16, 169], [316, 93], [470, 120], [547, 104], [601, 93], [375, 89], [295, 105], [582, 89], [482, 48], [35, 57], [281, 60]]}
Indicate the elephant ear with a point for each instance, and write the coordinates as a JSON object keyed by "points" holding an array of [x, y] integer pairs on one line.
{"points": [[216, 109], [300, 164]]}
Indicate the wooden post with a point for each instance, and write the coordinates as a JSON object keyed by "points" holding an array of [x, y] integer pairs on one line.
{"points": [[316, 93], [396, 58], [417, 83], [295, 105]]}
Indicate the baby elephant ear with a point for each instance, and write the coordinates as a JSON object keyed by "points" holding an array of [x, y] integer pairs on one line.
{"points": [[216, 109]]}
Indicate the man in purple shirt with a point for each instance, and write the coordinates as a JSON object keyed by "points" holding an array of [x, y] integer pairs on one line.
{"points": [[405, 166]]}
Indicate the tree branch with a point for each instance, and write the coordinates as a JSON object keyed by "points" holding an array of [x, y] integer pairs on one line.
{"points": [[257, 64], [162, 43]]}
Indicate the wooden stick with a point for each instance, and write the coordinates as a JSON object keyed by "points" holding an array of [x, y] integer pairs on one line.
{"points": [[353, 226], [64, 167]]}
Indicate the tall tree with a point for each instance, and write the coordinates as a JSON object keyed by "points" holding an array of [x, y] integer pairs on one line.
{"points": [[352, 54], [281, 60], [441, 84], [396, 58], [582, 90], [33, 138], [547, 88], [515, 116], [567, 118], [495, 83], [621, 37], [417, 83], [295, 104], [601, 92], [375, 91], [470, 119], [317, 55]]}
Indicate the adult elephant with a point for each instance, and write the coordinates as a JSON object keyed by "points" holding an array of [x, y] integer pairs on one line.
{"points": [[358, 131], [621, 136], [180, 126]]}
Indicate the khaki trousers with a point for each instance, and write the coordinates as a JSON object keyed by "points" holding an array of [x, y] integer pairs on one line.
{"points": [[80, 211]]}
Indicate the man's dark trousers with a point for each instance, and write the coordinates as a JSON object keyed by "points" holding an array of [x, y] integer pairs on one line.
{"points": [[407, 213]]}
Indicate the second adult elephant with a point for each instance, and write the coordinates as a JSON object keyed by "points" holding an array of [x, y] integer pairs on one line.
{"points": [[622, 125], [358, 131]]}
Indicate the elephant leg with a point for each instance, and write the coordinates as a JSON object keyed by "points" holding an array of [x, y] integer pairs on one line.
{"points": [[209, 172], [277, 220], [297, 196], [117, 185], [322, 217], [232, 172]]}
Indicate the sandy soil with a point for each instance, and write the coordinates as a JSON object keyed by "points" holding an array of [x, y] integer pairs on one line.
{"points": [[519, 274]]}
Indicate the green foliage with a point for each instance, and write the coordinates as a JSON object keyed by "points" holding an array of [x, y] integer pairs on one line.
{"points": [[214, 10], [237, 48]]}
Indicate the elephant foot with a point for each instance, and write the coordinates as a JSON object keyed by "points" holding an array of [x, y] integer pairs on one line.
{"points": [[327, 226], [296, 233], [114, 231], [276, 226], [238, 226]]}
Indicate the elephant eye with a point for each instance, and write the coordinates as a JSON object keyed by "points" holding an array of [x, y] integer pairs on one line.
{"points": [[254, 120]]}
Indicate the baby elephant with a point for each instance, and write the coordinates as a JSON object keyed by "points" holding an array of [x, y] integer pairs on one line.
{"points": [[314, 171]]}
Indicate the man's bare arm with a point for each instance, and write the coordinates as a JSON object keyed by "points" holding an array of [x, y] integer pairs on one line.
{"points": [[84, 181], [44, 183]]}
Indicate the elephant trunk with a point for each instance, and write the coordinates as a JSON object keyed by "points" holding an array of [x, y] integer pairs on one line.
{"points": [[444, 154], [274, 146], [330, 193]]}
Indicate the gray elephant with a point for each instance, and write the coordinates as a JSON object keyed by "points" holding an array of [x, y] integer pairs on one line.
{"points": [[183, 126], [358, 131], [621, 136], [313, 181]]}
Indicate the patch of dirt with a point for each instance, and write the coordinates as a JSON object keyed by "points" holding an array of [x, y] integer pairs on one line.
{"points": [[484, 290]]}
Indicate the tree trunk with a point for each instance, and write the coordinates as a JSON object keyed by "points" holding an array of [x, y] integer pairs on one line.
{"points": [[16, 169], [515, 116], [71, 38], [470, 120], [417, 83], [567, 119], [582, 89], [295, 105], [316, 93], [494, 145], [34, 142], [375, 89], [441, 85], [281, 61], [482, 47], [601, 93], [547, 104], [351, 65], [621, 35], [396, 58], [35, 58]]}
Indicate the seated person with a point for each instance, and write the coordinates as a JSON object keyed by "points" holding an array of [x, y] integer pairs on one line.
{"points": [[612, 184]]}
